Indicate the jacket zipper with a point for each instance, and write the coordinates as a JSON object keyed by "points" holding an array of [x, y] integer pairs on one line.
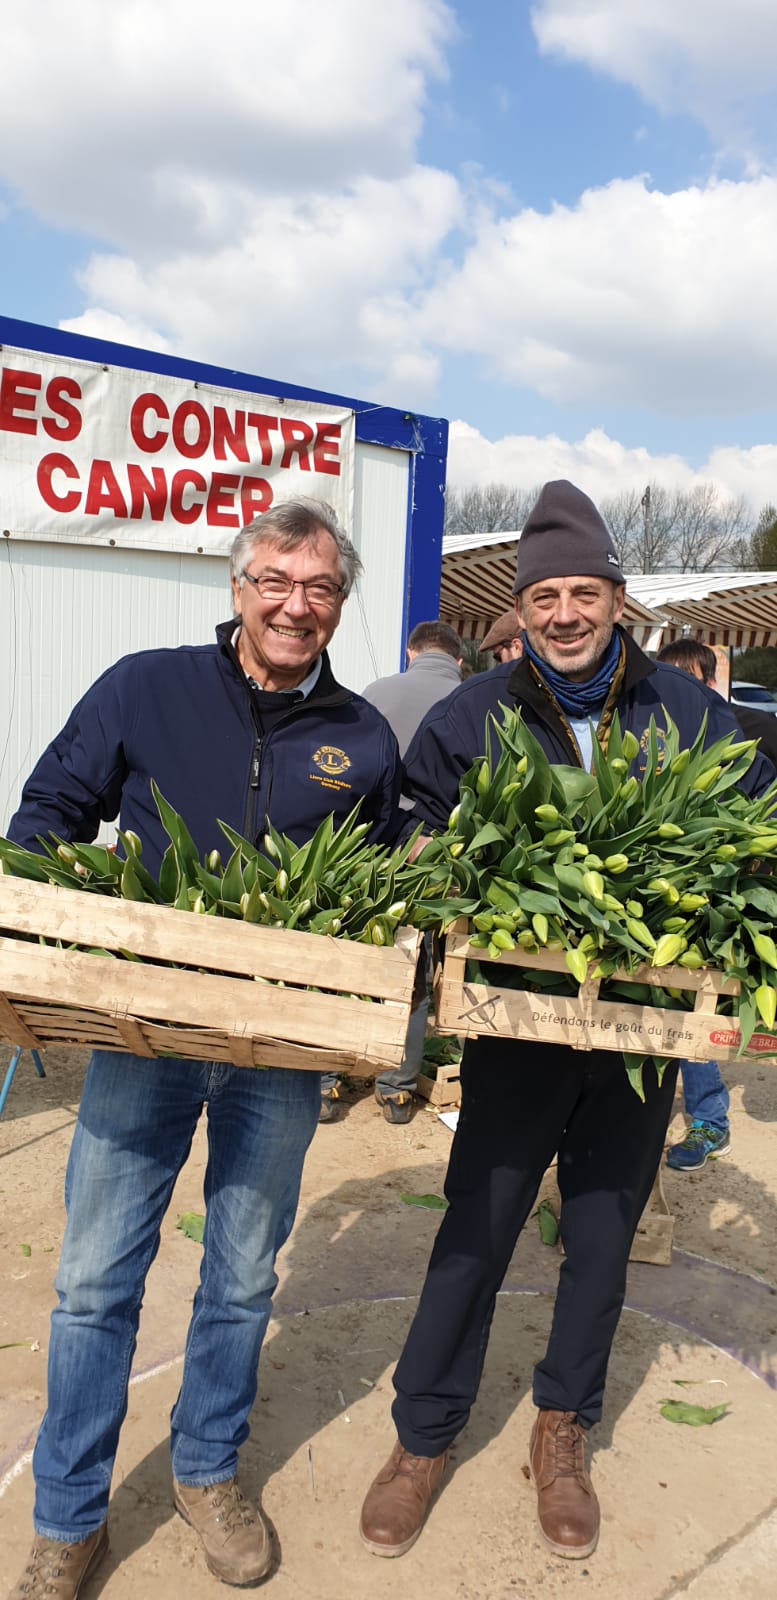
{"points": [[249, 828]]}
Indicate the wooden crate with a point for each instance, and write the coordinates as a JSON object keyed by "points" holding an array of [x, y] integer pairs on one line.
{"points": [[652, 1241], [584, 1021], [208, 1006], [442, 1090]]}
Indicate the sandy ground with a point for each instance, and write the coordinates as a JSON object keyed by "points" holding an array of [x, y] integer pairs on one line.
{"points": [[685, 1512]]}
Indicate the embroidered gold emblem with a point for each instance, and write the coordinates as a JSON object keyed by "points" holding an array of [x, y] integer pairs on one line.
{"points": [[660, 749], [331, 760]]}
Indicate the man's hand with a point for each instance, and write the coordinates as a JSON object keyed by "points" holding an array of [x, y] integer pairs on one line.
{"points": [[422, 840]]}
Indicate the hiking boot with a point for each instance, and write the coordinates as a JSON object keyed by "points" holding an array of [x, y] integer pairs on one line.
{"points": [[700, 1142], [398, 1500], [396, 1107], [328, 1110], [56, 1571], [234, 1534], [567, 1507]]}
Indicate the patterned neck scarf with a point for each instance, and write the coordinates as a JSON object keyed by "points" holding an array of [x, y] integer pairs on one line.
{"points": [[578, 699]]}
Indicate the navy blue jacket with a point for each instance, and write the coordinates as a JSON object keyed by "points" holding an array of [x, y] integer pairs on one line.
{"points": [[452, 735], [183, 717]]}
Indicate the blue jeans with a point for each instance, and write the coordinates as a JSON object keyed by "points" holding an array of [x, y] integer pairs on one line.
{"points": [[135, 1126], [705, 1094]]}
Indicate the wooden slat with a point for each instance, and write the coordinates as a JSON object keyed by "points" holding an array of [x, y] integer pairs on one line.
{"points": [[14, 1029], [586, 1022], [705, 978], [233, 1005], [217, 943], [132, 1035]]}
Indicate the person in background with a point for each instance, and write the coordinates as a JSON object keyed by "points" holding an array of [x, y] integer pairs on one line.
{"points": [[504, 638], [433, 670], [523, 1101], [232, 730], [705, 1095]]}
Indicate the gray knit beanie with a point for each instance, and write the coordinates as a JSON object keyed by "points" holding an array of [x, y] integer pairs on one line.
{"points": [[563, 537]]}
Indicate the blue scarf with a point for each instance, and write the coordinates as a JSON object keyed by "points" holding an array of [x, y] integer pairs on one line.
{"points": [[578, 699]]}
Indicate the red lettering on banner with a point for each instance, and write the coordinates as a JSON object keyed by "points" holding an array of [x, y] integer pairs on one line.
{"points": [[255, 497], [18, 391], [46, 469], [186, 479], [297, 436], [70, 420], [326, 454], [263, 427], [156, 405], [143, 490], [229, 435], [222, 485], [197, 447], [103, 492]]}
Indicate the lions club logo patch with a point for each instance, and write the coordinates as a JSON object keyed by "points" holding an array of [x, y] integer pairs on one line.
{"points": [[331, 760], [660, 749]]}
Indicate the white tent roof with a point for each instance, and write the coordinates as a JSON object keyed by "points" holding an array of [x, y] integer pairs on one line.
{"points": [[725, 608]]}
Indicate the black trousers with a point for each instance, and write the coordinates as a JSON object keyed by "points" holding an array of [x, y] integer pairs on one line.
{"points": [[521, 1104]]}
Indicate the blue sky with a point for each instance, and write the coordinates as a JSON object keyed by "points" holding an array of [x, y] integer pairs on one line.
{"points": [[555, 224]]}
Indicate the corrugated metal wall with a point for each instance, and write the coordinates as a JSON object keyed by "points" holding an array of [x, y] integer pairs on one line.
{"points": [[68, 611]]}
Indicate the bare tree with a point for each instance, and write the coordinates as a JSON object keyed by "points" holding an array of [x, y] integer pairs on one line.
{"points": [[490, 508], [654, 529], [642, 530], [681, 530]]}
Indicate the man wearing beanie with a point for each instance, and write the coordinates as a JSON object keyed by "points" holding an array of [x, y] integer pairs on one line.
{"points": [[523, 1102]]}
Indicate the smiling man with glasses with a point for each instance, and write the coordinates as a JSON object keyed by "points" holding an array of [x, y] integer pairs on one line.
{"points": [[252, 726]]}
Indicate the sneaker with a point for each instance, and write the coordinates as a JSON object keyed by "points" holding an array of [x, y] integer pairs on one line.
{"points": [[56, 1571], [328, 1110], [235, 1537], [700, 1142], [396, 1107]]}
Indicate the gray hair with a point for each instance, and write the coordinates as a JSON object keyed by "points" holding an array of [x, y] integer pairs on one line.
{"points": [[291, 523]]}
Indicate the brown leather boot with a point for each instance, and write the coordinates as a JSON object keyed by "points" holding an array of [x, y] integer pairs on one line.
{"points": [[56, 1571], [234, 1534], [567, 1508], [397, 1501]]}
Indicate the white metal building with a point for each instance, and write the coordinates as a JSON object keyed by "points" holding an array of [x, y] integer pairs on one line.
{"points": [[79, 588]]}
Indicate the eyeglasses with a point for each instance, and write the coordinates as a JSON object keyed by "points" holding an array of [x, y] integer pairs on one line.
{"points": [[317, 592]]}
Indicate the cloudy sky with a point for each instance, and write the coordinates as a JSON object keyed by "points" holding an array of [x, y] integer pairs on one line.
{"points": [[553, 223]]}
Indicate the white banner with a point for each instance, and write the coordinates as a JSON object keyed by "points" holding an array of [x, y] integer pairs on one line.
{"points": [[94, 454]]}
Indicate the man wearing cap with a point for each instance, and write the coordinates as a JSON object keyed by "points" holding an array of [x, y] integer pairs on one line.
{"points": [[523, 1102], [503, 640]]}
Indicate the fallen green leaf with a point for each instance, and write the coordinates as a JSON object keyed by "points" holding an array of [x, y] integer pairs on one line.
{"points": [[18, 1344], [432, 1202], [548, 1225], [695, 1416], [26, 1249], [191, 1224]]}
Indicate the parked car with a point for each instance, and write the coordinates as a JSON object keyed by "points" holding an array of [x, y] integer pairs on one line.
{"points": [[755, 695]]}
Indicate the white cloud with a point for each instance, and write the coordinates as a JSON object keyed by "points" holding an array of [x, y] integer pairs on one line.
{"points": [[603, 467], [253, 175], [122, 121], [255, 182], [631, 297], [106, 325], [307, 288], [710, 59]]}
